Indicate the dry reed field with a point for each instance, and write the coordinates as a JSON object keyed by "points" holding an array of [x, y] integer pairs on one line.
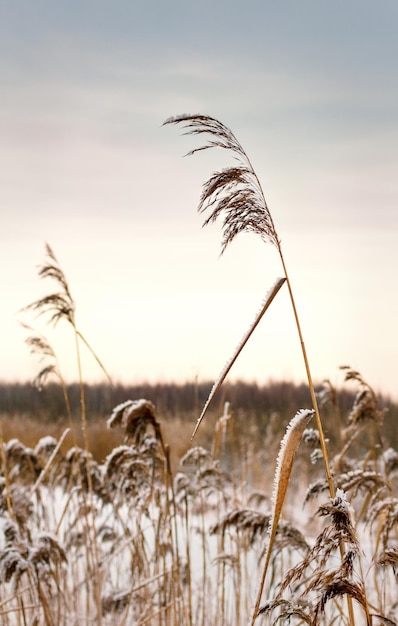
{"points": [[130, 541], [135, 538]]}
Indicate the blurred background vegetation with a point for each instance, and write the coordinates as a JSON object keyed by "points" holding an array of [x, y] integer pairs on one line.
{"points": [[259, 413]]}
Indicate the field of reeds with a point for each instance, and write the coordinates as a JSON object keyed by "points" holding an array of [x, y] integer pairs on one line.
{"points": [[269, 519], [131, 540]]}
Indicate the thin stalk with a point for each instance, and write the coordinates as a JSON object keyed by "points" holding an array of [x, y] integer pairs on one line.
{"points": [[204, 558], [49, 462], [300, 334], [264, 307], [97, 574], [96, 357], [318, 420], [222, 582], [188, 555], [172, 512], [322, 440], [332, 490], [3, 458]]}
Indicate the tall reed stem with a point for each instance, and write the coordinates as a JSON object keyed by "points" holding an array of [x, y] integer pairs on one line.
{"points": [[236, 194], [322, 440]]}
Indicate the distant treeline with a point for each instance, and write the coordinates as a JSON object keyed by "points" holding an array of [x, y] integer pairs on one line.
{"points": [[251, 404], [168, 398]]}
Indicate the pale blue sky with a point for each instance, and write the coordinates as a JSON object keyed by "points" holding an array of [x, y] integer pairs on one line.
{"points": [[311, 91]]}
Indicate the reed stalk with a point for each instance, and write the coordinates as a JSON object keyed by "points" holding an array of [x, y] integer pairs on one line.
{"points": [[60, 305], [235, 194]]}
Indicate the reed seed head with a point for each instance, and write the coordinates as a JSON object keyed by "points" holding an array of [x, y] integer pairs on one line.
{"points": [[234, 193]]}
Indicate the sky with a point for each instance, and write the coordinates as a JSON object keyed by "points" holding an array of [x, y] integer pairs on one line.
{"points": [[309, 88]]}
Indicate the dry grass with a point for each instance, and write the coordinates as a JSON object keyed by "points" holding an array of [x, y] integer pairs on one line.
{"points": [[187, 545]]}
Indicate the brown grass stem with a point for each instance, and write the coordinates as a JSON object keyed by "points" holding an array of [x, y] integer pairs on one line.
{"points": [[4, 463], [49, 462], [332, 490]]}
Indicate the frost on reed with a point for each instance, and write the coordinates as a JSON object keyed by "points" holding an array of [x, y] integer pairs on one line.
{"points": [[284, 464], [314, 580], [226, 369]]}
